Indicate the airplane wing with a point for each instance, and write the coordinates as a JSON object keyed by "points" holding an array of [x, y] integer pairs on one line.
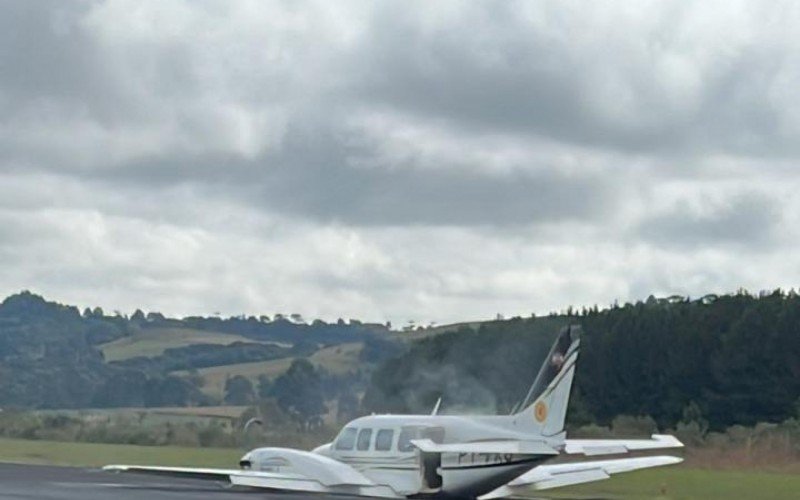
{"points": [[546, 477], [186, 472], [588, 447], [268, 480], [294, 470], [499, 446], [594, 447]]}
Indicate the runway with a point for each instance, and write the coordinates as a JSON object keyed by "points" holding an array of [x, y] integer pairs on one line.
{"points": [[44, 482], [38, 482]]}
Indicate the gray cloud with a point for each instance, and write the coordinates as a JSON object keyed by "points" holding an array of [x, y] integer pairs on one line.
{"points": [[396, 162], [633, 80], [748, 221], [320, 182], [44, 56]]}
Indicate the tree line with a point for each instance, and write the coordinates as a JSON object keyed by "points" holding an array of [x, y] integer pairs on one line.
{"points": [[720, 360]]}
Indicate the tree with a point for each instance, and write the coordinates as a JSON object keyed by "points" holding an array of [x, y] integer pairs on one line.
{"points": [[347, 407], [264, 386], [138, 317], [170, 391], [299, 392], [239, 391], [125, 388], [154, 317]]}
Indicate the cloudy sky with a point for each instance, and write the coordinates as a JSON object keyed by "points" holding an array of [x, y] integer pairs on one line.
{"points": [[436, 161]]}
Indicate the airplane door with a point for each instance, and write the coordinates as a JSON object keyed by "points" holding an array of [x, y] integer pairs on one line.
{"points": [[429, 468], [429, 463]]}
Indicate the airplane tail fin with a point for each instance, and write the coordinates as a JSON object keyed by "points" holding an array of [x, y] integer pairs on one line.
{"points": [[544, 409]]}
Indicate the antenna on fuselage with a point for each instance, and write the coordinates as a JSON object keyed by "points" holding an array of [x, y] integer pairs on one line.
{"points": [[436, 406], [253, 421]]}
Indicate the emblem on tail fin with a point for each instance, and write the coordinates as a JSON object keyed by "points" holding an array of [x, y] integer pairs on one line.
{"points": [[540, 411]]}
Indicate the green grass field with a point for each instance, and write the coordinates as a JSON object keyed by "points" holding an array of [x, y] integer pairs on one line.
{"points": [[337, 359], [97, 455], [682, 483], [435, 330], [670, 483], [153, 341], [201, 415]]}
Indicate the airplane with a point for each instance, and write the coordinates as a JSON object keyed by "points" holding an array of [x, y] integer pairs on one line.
{"points": [[446, 456]]}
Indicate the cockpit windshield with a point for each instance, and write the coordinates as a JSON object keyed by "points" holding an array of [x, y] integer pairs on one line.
{"points": [[346, 439]]}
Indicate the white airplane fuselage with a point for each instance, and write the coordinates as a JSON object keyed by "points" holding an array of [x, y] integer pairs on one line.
{"points": [[379, 447], [457, 474]]}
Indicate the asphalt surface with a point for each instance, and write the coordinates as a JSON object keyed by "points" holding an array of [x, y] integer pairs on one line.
{"points": [[31, 482], [43, 482]]}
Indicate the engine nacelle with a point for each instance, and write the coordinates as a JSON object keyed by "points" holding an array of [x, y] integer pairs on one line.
{"points": [[325, 470]]}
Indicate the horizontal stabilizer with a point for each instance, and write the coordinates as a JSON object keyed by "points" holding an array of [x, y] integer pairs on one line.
{"points": [[594, 447], [555, 476], [500, 447]]}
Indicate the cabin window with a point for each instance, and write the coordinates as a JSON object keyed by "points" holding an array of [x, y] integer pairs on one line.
{"points": [[346, 439], [435, 434], [364, 438], [383, 440], [406, 435]]}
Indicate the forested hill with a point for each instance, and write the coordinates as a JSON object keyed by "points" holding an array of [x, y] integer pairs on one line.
{"points": [[52, 355], [732, 359]]}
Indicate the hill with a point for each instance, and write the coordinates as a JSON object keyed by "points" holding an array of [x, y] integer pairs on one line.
{"points": [[716, 361], [153, 342], [54, 356], [338, 360]]}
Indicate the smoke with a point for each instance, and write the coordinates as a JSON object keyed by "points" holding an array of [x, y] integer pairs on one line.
{"points": [[487, 371], [460, 392]]}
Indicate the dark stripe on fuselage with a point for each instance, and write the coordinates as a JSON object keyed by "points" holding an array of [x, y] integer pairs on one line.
{"points": [[375, 459], [462, 467], [496, 464]]}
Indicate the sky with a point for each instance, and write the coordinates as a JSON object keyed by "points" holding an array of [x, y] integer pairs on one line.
{"points": [[395, 161]]}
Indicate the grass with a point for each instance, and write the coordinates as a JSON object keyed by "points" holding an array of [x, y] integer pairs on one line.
{"points": [[97, 455], [412, 335], [339, 359], [154, 341], [203, 411], [336, 359], [543, 325], [200, 415], [669, 483], [193, 411], [682, 483]]}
